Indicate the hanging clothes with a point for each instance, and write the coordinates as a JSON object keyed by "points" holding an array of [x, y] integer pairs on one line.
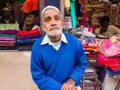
{"points": [[84, 13], [73, 14], [29, 5], [79, 13]]}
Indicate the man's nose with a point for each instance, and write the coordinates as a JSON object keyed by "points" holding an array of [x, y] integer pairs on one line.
{"points": [[53, 22]]}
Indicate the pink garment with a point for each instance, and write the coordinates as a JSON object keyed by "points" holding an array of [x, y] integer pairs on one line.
{"points": [[109, 48], [102, 60]]}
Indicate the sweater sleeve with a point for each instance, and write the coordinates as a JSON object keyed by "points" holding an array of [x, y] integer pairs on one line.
{"points": [[43, 82], [80, 64]]}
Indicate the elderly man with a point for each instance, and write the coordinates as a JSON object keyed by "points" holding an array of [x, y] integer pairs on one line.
{"points": [[58, 61]]}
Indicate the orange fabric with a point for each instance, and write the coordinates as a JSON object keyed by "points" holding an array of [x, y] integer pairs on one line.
{"points": [[29, 5]]}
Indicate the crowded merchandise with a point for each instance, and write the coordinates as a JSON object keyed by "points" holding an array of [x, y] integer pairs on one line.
{"points": [[73, 44]]}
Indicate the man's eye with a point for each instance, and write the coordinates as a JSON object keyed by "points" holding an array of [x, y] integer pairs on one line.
{"points": [[57, 18], [47, 19]]}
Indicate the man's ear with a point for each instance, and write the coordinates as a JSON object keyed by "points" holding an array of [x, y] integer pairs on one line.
{"points": [[63, 21], [42, 26]]}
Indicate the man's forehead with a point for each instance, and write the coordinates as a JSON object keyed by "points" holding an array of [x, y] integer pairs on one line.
{"points": [[51, 14], [49, 7]]}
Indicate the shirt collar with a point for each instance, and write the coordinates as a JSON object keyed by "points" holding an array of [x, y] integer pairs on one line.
{"points": [[47, 41]]}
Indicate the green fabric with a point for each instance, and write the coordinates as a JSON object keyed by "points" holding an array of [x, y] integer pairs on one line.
{"points": [[14, 1], [73, 14], [8, 35]]}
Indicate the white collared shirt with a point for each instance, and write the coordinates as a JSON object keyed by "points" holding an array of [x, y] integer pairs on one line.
{"points": [[56, 45]]}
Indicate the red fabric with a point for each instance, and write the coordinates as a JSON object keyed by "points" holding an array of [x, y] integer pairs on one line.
{"points": [[112, 66], [102, 60], [26, 33], [30, 5]]}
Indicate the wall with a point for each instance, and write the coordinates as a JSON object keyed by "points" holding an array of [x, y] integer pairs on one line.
{"points": [[15, 71]]}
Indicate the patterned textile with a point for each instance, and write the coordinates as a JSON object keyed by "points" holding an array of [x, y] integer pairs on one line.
{"points": [[109, 48]]}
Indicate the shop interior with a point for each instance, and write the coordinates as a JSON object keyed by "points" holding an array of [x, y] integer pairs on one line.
{"points": [[82, 18]]}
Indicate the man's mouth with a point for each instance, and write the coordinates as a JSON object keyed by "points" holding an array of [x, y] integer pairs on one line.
{"points": [[54, 28]]}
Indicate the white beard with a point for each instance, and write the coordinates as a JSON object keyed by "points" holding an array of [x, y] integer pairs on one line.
{"points": [[53, 33]]}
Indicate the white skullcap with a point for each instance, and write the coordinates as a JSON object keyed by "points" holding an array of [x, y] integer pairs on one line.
{"points": [[49, 7], [6, 9]]}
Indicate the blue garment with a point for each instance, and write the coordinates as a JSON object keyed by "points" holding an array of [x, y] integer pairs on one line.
{"points": [[50, 68]]}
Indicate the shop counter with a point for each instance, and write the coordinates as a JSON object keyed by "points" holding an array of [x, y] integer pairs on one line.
{"points": [[15, 70]]}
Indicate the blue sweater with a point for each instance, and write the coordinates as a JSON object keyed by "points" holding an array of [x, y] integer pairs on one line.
{"points": [[50, 68]]}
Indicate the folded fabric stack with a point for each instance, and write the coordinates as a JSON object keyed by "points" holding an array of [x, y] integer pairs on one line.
{"points": [[91, 48], [25, 39], [8, 39], [90, 80], [109, 56]]}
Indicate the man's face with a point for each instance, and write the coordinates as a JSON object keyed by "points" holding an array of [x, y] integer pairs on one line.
{"points": [[6, 13], [31, 19], [52, 23], [105, 24]]}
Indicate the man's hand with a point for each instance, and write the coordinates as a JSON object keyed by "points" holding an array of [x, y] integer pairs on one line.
{"points": [[69, 85]]}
